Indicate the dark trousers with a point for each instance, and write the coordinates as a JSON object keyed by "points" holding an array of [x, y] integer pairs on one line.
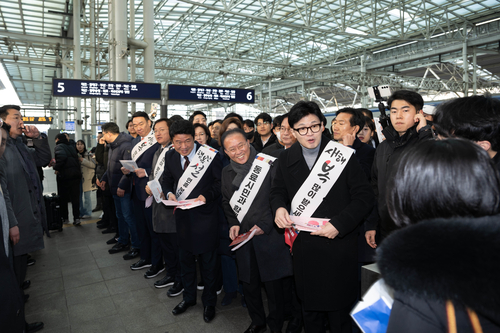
{"points": [[150, 242], [339, 321], [170, 249], [69, 191], [293, 309], [109, 210], [253, 297], [207, 261], [20, 268]]}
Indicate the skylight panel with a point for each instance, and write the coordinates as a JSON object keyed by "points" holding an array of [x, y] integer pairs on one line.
{"points": [[355, 31]]}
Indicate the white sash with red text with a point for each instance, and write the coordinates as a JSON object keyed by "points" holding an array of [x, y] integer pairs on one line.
{"points": [[160, 163], [243, 198], [195, 171], [320, 181], [146, 142]]}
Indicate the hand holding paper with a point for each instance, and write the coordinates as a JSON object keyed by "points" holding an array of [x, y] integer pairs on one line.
{"points": [[310, 224], [130, 165], [184, 204], [242, 239]]}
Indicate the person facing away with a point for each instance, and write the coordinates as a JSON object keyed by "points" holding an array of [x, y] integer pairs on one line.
{"points": [[445, 196]]}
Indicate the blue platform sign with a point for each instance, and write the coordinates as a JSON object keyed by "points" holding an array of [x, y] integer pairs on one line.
{"points": [[106, 89], [69, 125], [210, 94]]}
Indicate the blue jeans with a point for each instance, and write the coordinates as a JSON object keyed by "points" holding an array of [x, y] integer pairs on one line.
{"points": [[85, 209], [126, 221]]}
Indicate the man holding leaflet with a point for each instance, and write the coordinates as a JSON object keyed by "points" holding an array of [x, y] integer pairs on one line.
{"points": [[246, 183], [319, 178], [144, 148], [193, 171]]}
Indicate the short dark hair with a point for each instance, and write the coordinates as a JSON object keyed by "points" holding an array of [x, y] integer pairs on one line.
{"points": [[476, 118], [277, 121], [357, 117], [369, 123], [191, 118], [61, 137], [6, 127], [140, 114], [226, 123], [411, 97], [231, 132], [366, 112], [443, 178], [232, 115], [110, 128], [249, 123], [175, 118], [168, 121], [265, 117], [303, 108], [128, 123], [4, 110], [205, 128], [181, 127]]}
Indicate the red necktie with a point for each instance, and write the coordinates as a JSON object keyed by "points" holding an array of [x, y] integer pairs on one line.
{"points": [[186, 163]]}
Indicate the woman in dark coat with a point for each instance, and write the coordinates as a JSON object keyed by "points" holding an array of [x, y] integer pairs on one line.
{"points": [[265, 258], [444, 271]]}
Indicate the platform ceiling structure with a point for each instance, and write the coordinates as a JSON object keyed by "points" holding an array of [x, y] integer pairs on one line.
{"points": [[327, 51]]}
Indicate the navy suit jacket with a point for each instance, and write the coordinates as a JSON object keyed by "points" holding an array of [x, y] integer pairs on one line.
{"points": [[197, 228], [145, 161]]}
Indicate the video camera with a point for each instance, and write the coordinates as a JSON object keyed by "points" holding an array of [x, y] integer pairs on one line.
{"points": [[380, 95]]}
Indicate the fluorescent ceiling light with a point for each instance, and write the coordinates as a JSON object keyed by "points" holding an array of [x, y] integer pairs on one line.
{"points": [[489, 21]]}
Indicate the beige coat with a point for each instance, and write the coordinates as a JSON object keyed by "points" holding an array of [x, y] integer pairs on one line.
{"points": [[88, 170]]}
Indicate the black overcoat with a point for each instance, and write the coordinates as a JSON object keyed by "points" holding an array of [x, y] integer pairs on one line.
{"points": [[325, 269], [272, 253], [197, 230]]}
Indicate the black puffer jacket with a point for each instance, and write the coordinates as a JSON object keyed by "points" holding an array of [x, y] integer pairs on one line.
{"points": [[386, 156], [118, 150], [67, 162], [435, 261]]}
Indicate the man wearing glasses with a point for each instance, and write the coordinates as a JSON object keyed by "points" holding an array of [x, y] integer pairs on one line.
{"points": [[264, 128], [319, 178]]}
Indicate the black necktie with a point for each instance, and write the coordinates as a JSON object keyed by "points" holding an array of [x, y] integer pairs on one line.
{"points": [[186, 163]]}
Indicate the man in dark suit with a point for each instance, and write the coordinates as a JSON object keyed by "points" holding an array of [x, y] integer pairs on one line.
{"points": [[325, 261], [144, 146], [197, 228]]}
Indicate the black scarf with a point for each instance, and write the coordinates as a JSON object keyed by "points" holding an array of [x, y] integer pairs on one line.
{"points": [[242, 169]]}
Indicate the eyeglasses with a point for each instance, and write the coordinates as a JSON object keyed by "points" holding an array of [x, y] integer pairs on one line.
{"points": [[160, 130], [303, 130], [286, 129], [234, 150], [264, 123]]}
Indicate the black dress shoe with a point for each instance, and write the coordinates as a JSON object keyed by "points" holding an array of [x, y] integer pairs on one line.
{"points": [[208, 313], [143, 263], [109, 230], [102, 225], [26, 284], [153, 271], [119, 247], [113, 240], [31, 262], [176, 289], [256, 328], [34, 327], [165, 282], [294, 325], [133, 253], [182, 307]]}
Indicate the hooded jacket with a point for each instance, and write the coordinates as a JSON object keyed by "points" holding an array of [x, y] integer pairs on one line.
{"points": [[386, 156], [434, 261], [118, 150]]}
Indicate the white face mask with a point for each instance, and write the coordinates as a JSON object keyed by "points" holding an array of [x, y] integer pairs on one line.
{"points": [[278, 135]]}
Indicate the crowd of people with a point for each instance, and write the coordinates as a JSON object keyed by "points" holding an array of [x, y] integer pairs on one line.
{"points": [[427, 196]]}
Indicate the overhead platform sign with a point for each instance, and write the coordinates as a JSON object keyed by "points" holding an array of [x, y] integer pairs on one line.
{"points": [[210, 94], [106, 89], [37, 120]]}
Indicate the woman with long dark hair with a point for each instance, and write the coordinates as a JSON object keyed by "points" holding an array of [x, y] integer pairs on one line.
{"points": [[87, 165], [443, 265]]}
